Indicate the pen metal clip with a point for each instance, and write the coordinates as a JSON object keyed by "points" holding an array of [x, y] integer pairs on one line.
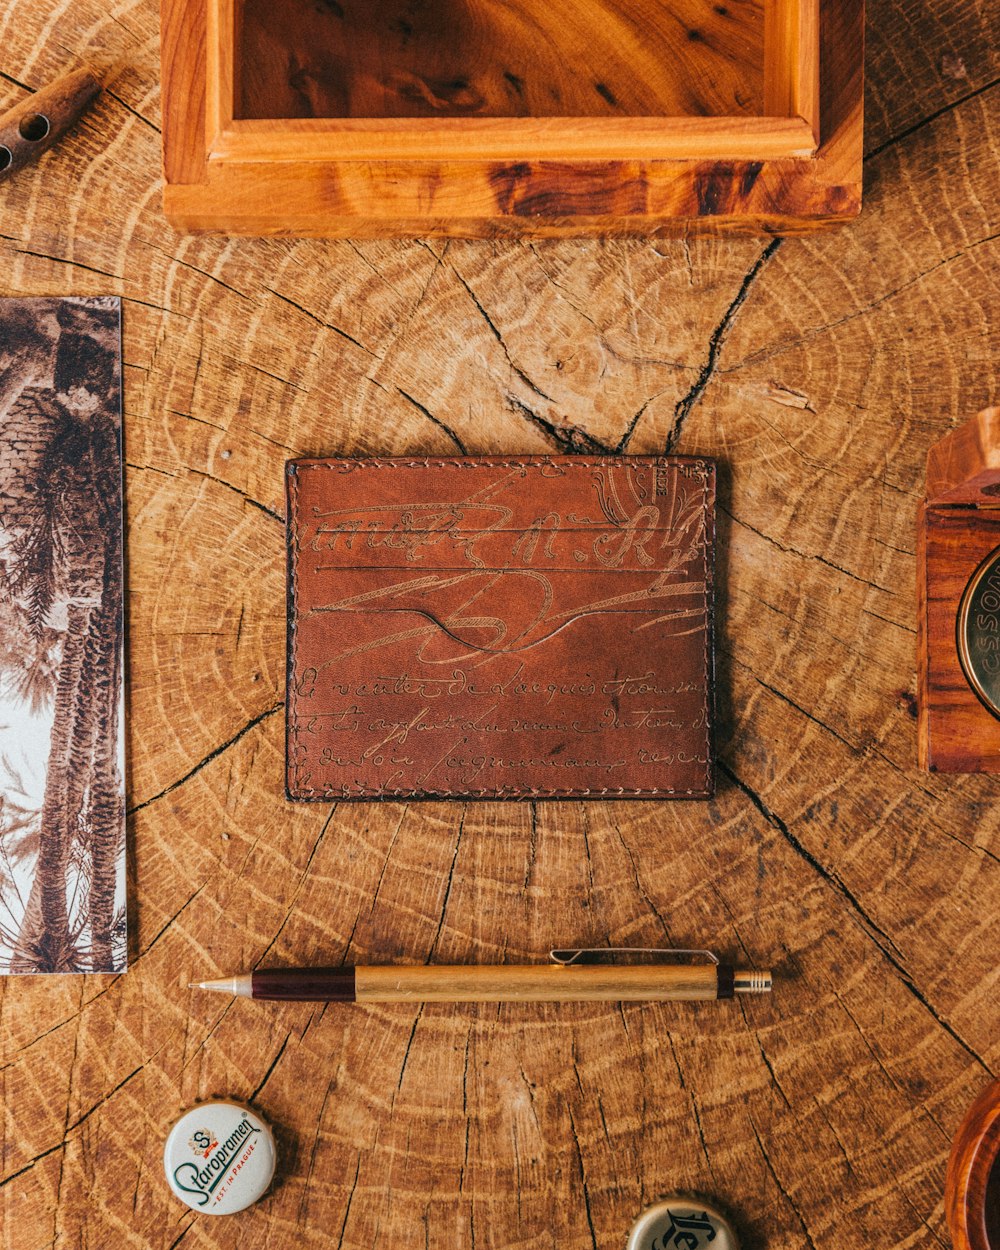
{"points": [[595, 954]]}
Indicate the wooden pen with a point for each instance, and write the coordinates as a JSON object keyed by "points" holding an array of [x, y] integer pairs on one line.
{"points": [[568, 978]]}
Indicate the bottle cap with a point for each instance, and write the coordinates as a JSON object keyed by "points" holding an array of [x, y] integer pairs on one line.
{"points": [[219, 1157], [682, 1221]]}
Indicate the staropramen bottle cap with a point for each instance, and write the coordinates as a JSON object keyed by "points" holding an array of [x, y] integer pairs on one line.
{"points": [[219, 1157]]}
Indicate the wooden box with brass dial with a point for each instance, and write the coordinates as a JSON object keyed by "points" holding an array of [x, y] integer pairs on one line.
{"points": [[958, 617]]}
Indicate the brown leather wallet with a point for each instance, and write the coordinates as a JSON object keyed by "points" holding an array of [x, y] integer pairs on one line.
{"points": [[511, 627]]}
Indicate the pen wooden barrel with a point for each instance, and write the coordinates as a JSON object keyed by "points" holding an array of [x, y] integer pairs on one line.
{"points": [[539, 984], [972, 1187]]}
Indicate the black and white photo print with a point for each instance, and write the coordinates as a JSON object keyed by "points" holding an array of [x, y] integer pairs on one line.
{"points": [[62, 802]]}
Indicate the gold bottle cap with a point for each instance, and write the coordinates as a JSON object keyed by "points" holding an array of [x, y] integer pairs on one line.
{"points": [[681, 1221]]}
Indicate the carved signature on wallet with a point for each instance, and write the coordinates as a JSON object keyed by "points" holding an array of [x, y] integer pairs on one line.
{"points": [[470, 524], [459, 681], [521, 571]]}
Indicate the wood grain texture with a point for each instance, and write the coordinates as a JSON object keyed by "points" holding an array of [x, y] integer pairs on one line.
{"points": [[537, 983], [397, 121], [964, 467], [818, 371], [791, 70], [182, 57], [487, 58]]}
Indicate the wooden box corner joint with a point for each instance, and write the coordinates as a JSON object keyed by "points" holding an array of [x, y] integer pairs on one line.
{"points": [[958, 601], [486, 117]]}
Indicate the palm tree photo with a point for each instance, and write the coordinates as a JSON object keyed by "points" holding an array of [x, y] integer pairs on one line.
{"points": [[62, 905]]}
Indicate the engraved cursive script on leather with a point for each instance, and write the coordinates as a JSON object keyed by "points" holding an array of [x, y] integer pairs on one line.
{"points": [[545, 629]]}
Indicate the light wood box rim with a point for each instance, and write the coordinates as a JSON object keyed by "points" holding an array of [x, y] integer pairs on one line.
{"points": [[811, 178]]}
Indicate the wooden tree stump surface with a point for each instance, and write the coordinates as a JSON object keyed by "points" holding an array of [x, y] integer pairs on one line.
{"points": [[818, 371]]}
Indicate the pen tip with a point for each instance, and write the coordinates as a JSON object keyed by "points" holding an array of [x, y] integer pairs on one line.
{"points": [[242, 986]]}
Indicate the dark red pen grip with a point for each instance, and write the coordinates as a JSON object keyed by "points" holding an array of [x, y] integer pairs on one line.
{"points": [[304, 985]]}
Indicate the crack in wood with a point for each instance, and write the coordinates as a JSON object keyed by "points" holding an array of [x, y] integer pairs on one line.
{"points": [[448, 885], [189, 1059], [44, 1154], [930, 119], [532, 843], [694, 1106], [919, 1214], [385, 861], [247, 498], [767, 1062], [276, 377], [583, 1174], [853, 747], [75, 264], [11, 1063], [135, 113], [626, 437], [350, 1199], [183, 1233], [303, 877], [212, 755], [212, 425], [878, 935], [871, 746], [569, 439], [781, 1189], [766, 355], [907, 629], [562, 291], [683, 407], [187, 903], [61, 1145], [515, 368], [17, 83], [252, 1098], [434, 420], [304, 1200], [886, 945], [145, 303], [205, 273], [804, 555], [327, 325], [640, 889]]}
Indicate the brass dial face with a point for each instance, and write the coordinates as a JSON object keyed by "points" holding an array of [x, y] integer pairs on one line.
{"points": [[979, 631]]}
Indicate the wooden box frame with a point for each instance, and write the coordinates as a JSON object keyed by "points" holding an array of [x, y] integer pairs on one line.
{"points": [[794, 169]]}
